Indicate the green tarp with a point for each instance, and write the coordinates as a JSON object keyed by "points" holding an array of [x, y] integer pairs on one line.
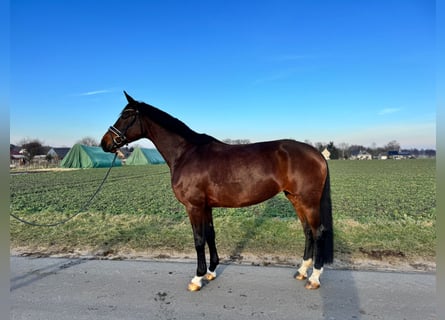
{"points": [[141, 156], [81, 156]]}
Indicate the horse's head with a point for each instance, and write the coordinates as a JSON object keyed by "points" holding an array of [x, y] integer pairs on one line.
{"points": [[127, 128]]}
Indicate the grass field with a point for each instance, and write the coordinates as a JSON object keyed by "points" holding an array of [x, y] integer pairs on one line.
{"points": [[382, 210]]}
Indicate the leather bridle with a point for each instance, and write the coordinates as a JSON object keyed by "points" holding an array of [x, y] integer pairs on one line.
{"points": [[119, 137]]}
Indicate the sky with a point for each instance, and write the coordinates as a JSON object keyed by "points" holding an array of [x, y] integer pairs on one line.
{"points": [[355, 72]]}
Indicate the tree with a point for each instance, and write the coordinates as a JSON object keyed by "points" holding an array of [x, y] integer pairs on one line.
{"points": [[31, 148], [88, 141], [333, 150], [343, 147], [355, 149], [392, 146], [319, 146]]}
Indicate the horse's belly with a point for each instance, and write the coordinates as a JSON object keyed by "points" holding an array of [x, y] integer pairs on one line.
{"points": [[237, 194]]}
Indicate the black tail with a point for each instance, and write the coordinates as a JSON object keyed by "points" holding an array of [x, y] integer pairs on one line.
{"points": [[326, 221]]}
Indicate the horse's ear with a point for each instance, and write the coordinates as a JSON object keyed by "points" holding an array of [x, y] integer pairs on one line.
{"points": [[129, 99]]}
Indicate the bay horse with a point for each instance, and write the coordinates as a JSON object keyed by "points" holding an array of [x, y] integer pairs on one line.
{"points": [[207, 173]]}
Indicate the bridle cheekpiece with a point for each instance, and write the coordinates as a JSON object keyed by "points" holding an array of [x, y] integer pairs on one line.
{"points": [[119, 138]]}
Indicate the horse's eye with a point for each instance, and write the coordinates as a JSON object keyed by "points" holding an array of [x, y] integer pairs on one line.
{"points": [[126, 114]]}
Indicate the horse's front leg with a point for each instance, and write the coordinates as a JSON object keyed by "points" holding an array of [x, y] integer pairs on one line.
{"points": [[203, 231], [201, 269]]}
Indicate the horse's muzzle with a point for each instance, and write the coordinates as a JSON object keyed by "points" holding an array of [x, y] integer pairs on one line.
{"points": [[107, 143], [113, 139]]}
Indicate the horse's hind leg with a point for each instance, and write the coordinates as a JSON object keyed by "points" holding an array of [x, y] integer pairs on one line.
{"points": [[308, 253], [197, 220], [314, 280], [312, 252], [210, 238]]}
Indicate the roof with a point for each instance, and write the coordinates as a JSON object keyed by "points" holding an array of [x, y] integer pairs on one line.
{"points": [[14, 150], [404, 153], [59, 152]]}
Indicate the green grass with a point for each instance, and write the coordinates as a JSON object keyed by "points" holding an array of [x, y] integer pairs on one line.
{"points": [[381, 208]]}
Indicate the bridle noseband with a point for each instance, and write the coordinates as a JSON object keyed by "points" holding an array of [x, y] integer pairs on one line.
{"points": [[119, 138]]}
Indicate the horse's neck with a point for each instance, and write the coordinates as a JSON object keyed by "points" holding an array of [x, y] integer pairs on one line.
{"points": [[171, 145]]}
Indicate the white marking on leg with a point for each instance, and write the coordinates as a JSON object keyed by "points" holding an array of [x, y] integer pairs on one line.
{"points": [[210, 275], [315, 277], [306, 264], [198, 281]]}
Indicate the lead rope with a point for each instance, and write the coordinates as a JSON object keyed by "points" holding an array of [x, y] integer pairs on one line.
{"points": [[82, 209]]}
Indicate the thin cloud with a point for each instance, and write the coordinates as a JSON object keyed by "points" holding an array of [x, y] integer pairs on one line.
{"points": [[388, 111], [92, 93]]}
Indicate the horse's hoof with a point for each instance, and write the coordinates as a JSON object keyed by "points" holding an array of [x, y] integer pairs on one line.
{"points": [[193, 287], [312, 285], [210, 277], [300, 276]]}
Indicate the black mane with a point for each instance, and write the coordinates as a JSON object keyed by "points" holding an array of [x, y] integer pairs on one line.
{"points": [[173, 124]]}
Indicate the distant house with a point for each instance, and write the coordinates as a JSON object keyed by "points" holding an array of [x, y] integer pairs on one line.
{"points": [[126, 152], [400, 155], [326, 154], [58, 153], [383, 156], [16, 157], [404, 154], [361, 155], [14, 150]]}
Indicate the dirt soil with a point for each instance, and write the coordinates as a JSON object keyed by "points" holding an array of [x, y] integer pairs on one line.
{"points": [[364, 261]]}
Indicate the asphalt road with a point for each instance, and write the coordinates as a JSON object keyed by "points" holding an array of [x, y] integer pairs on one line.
{"points": [[51, 288]]}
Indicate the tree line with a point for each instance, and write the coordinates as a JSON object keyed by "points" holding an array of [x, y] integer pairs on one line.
{"points": [[34, 147], [343, 150]]}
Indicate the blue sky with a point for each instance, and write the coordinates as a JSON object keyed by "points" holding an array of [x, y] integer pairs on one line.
{"points": [[358, 72]]}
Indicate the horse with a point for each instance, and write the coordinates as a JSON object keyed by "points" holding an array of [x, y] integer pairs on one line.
{"points": [[207, 173]]}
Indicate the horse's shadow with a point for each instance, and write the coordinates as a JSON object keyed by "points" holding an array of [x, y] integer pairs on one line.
{"points": [[276, 207], [335, 291]]}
